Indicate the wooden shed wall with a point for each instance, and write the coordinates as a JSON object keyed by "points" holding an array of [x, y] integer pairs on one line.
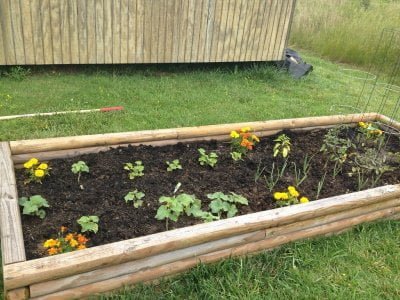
{"points": [[37, 32]]}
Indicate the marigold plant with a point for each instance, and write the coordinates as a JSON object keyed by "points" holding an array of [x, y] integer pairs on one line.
{"points": [[370, 130], [290, 197], [36, 170], [242, 141], [65, 242]]}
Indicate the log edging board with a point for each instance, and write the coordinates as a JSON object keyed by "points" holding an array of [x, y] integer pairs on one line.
{"points": [[102, 268]]}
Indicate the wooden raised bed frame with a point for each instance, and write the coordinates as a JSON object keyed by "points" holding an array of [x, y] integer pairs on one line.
{"points": [[107, 267]]}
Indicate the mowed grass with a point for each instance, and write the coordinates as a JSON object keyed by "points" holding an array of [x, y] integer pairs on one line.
{"points": [[174, 97], [361, 263], [350, 31]]}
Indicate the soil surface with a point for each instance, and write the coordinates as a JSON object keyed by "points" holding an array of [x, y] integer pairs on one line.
{"points": [[107, 184]]}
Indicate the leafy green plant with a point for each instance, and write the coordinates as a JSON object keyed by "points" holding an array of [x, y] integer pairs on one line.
{"points": [[320, 186], [236, 155], [274, 175], [282, 145], [136, 197], [260, 170], [33, 206], [337, 148], [134, 170], [89, 223], [173, 207], [226, 203], [174, 165], [207, 159], [79, 168]]}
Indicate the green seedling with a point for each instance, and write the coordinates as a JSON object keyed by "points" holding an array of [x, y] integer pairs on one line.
{"points": [[89, 223], [226, 203], [207, 159], [136, 197], [174, 165], [134, 170], [34, 206]]}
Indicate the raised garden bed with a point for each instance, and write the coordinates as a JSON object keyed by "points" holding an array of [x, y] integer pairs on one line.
{"points": [[144, 257]]}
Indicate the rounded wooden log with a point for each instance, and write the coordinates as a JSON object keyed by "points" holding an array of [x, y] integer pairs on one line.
{"points": [[388, 121], [63, 143], [67, 264], [19, 159], [105, 273], [179, 266]]}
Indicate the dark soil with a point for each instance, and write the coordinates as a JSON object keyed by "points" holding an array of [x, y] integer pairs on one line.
{"points": [[107, 184]]}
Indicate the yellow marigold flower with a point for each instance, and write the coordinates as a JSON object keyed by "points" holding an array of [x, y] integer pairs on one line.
{"points": [[52, 251], [363, 124], [285, 196], [293, 192], [80, 247], [73, 243], [50, 243], [69, 237], [277, 196], [304, 200], [43, 166], [28, 165], [33, 161], [39, 173], [255, 138], [245, 129], [234, 134]]}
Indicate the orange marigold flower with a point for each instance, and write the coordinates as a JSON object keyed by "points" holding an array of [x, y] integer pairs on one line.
{"points": [[82, 239], [244, 143], [63, 229], [245, 135], [69, 237], [80, 247], [52, 251]]}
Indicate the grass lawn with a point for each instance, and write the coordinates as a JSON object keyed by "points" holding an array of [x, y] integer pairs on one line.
{"points": [[364, 262]]}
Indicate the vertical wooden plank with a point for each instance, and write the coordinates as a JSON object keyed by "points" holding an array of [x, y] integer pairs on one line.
{"points": [[2, 52], [147, 30], [8, 35], [16, 24], [83, 31], [124, 27], [216, 30], [27, 30], [279, 27], [202, 15], [285, 30], [108, 34], [65, 40], [162, 23], [274, 30], [37, 32], [46, 30], [91, 31], [154, 30], [189, 30], [116, 32], [73, 31], [132, 23], [196, 20], [99, 32], [229, 12], [258, 16], [242, 10], [270, 29], [169, 29], [229, 30], [139, 31], [56, 31], [222, 30], [12, 242], [264, 30], [183, 24], [177, 29], [248, 30]]}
